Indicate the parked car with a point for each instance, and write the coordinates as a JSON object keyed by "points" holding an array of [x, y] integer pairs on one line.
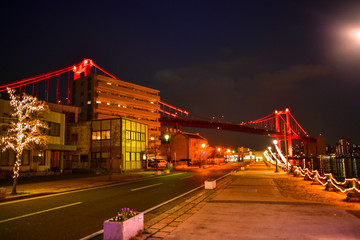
{"points": [[185, 161], [157, 163], [161, 163]]}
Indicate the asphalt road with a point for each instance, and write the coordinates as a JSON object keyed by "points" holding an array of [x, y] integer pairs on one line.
{"points": [[76, 214]]}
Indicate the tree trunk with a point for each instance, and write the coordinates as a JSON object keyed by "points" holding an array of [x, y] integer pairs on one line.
{"points": [[13, 191]]}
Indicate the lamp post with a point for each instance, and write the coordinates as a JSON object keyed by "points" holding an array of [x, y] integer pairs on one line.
{"points": [[203, 151], [276, 162], [219, 150], [286, 149], [167, 137]]}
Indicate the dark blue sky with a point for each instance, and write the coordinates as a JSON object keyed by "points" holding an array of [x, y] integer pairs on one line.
{"points": [[239, 59]]}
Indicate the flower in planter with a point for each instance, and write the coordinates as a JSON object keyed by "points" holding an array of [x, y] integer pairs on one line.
{"points": [[123, 215], [210, 179]]}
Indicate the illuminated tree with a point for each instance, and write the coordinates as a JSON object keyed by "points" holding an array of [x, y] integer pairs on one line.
{"points": [[24, 131]]}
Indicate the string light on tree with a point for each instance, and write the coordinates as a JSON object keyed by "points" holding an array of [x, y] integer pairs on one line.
{"points": [[24, 129]]}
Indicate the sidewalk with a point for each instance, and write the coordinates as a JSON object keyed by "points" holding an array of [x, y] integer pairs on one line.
{"points": [[248, 205]]}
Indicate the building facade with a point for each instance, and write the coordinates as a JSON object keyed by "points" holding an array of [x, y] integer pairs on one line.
{"points": [[345, 147], [122, 141], [79, 134], [116, 144], [185, 145], [49, 157], [102, 97]]}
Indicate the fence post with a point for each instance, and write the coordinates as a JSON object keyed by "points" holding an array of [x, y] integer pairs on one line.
{"points": [[315, 180], [353, 195], [329, 186]]}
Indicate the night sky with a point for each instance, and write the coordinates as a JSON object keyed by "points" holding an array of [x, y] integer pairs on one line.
{"points": [[233, 60]]}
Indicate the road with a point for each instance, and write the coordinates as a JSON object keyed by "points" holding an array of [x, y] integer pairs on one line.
{"points": [[76, 214]]}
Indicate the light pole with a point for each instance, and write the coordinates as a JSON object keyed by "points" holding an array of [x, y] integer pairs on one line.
{"points": [[276, 162], [219, 150], [167, 137], [286, 149], [203, 151]]}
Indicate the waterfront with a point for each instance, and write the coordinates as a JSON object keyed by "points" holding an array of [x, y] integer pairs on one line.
{"points": [[340, 167]]}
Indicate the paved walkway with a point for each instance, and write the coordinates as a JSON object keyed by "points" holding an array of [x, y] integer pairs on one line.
{"points": [[249, 206]]}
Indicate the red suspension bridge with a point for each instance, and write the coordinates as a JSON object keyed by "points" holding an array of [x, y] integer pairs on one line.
{"points": [[280, 124]]}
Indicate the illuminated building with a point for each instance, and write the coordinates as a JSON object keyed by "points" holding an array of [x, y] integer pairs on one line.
{"points": [[344, 147], [102, 97], [121, 140], [185, 145]]}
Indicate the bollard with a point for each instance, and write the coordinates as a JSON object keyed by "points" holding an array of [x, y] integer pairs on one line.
{"points": [[307, 177], [353, 195], [329, 186], [315, 181]]}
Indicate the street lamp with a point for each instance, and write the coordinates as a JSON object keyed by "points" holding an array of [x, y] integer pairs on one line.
{"points": [[203, 152], [167, 137], [276, 162]]}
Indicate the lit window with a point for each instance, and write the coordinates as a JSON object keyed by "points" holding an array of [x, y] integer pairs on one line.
{"points": [[98, 102], [88, 102], [152, 102], [119, 105], [108, 83], [107, 103]]}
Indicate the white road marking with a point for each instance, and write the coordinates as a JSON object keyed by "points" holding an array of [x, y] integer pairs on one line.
{"points": [[135, 189], [34, 213], [186, 177]]}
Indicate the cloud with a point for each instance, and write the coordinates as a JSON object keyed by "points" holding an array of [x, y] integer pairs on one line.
{"points": [[168, 77], [229, 88], [287, 80]]}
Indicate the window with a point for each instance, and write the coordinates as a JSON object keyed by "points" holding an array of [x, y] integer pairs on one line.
{"points": [[54, 129], [96, 135], [4, 160], [89, 83], [26, 157], [74, 137], [84, 158], [143, 137], [105, 135]]}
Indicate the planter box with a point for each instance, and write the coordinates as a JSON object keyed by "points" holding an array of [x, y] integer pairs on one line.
{"points": [[210, 184], [2, 193], [167, 171], [124, 230], [157, 173]]}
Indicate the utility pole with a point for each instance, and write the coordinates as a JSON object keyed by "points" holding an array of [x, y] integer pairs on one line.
{"points": [[286, 149]]}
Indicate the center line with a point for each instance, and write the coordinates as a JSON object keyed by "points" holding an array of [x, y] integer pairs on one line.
{"points": [[187, 177], [135, 189], [47, 210]]}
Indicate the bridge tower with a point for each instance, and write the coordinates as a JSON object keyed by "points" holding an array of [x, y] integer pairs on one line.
{"points": [[286, 128]]}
